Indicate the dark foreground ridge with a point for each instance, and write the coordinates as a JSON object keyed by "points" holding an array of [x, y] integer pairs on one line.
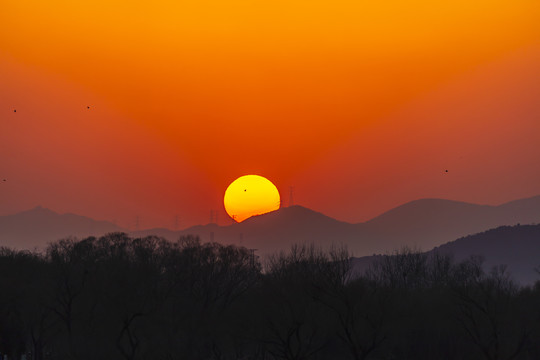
{"points": [[117, 297], [516, 247]]}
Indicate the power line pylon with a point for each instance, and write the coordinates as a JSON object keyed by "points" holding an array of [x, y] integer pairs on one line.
{"points": [[291, 195]]}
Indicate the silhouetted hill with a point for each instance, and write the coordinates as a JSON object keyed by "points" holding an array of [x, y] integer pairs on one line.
{"points": [[271, 232], [422, 223], [38, 226], [517, 247]]}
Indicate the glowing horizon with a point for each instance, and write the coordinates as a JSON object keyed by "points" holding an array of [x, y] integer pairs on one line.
{"points": [[185, 96]]}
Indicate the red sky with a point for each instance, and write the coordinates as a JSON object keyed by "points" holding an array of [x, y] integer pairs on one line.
{"points": [[360, 106]]}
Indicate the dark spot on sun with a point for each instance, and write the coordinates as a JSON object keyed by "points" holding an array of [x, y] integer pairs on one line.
{"points": [[245, 190]]}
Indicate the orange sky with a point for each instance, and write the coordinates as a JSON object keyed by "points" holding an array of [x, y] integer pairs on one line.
{"points": [[186, 96]]}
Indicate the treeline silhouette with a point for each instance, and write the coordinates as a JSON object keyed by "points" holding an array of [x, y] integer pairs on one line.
{"points": [[117, 297]]}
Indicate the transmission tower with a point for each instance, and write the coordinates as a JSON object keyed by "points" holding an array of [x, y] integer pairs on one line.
{"points": [[291, 195], [252, 257], [176, 222]]}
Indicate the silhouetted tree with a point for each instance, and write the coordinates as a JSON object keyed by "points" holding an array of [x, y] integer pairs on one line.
{"points": [[117, 297], [296, 324], [487, 310]]}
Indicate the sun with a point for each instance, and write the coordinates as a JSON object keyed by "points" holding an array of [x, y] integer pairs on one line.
{"points": [[250, 195]]}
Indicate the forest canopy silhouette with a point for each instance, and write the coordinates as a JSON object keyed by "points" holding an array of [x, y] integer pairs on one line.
{"points": [[117, 297]]}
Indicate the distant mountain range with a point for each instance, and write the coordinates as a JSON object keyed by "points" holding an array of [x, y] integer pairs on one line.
{"points": [[424, 224], [37, 227], [517, 247]]}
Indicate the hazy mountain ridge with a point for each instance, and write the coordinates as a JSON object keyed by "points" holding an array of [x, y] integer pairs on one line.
{"points": [[427, 223], [270, 232], [424, 223], [38, 226]]}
